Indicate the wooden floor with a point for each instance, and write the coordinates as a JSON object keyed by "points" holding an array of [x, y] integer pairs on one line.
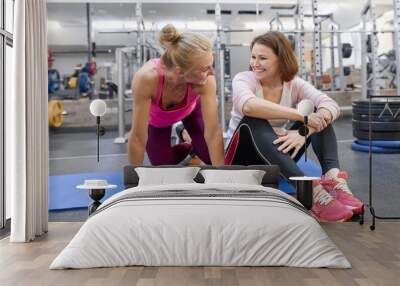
{"points": [[375, 257]]}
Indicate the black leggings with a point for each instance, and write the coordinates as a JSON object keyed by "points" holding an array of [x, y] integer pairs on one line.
{"points": [[255, 146]]}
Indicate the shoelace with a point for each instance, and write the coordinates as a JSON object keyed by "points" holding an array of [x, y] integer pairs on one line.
{"points": [[338, 183], [323, 197], [342, 185]]}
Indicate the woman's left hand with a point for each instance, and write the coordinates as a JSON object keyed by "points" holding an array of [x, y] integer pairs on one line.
{"points": [[292, 140], [317, 121]]}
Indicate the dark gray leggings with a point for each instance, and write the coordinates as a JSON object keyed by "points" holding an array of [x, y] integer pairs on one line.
{"points": [[255, 147]]}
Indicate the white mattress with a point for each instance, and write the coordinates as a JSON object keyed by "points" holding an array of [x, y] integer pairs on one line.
{"points": [[202, 231]]}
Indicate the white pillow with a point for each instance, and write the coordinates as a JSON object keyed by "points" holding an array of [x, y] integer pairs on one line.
{"points": [[248, 177], [163, 176]]}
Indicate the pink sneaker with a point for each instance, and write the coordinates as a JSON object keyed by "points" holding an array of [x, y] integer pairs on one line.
{"points": [[338, 188], [328, 209]]}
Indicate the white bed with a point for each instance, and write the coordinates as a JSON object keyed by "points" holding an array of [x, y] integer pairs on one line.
{"points": [[222, 225]]}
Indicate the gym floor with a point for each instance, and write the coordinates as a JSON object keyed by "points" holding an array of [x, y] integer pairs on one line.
{"points": [[76, 153]]}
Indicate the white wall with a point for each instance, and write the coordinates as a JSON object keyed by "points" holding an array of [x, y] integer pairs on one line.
{"points": [[77, 35]]}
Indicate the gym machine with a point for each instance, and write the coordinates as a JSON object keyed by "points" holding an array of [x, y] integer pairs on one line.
{"points": [[128, 61], [297, 39]]}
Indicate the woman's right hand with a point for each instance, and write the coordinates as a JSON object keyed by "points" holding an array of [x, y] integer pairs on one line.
{"points": [[317, 121]]}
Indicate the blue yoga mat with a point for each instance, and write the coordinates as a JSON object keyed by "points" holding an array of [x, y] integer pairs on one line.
{"points": [[374, 149], [310, 168], [384, 144], [64, 195]]}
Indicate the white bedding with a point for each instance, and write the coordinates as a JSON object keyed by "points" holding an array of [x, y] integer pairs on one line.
{"points": [[183, 231]]}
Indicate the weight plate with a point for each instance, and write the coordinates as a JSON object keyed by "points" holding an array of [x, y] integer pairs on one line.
{"points": [[387, 136], [377, 126], [376, 118], [55, 113], [376, 104], [346, 50], [376, 111]]}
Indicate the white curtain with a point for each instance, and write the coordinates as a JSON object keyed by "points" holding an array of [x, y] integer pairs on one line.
{"points": [[27, 123]]}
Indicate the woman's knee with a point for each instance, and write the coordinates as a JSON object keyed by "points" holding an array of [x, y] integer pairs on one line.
{"points": [[328, 136]]}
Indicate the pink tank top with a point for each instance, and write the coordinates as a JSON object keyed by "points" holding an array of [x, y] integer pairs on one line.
{"points": [[160, 117]]}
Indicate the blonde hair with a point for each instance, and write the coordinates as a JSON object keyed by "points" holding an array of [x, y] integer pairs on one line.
{"points": [[181, 48]]}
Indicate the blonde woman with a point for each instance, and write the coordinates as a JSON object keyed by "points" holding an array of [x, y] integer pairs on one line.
{"points": [[180, 86]]}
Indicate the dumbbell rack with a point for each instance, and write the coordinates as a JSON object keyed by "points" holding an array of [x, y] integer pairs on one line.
{"points": [[370, 205]]}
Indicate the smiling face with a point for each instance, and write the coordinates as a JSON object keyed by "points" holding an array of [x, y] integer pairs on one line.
{"points": [[200, 69], [263, 62]]}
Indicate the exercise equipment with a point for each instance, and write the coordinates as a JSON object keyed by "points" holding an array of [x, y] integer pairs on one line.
{"points": [[292, 41], [374, 149], [377, 126], [382, 117], [82, 79], [386, 147], [346, 50], [376, 103], [385, 144], [386, 136], [346, 71], [56, 113], [369, 43], [375, 118], [85, 84], [54, 80], [374, 111], [73, 82], [369, 68]]}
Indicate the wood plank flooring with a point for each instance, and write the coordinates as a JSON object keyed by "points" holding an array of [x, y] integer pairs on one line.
{"points": [[375, 257]]}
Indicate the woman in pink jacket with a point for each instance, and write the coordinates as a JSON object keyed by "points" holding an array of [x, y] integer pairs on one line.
{"points": [[264, 104]]}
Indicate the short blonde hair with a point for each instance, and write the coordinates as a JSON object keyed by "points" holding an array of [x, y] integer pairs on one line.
{"points": [[281, 47], [181, 48]]}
